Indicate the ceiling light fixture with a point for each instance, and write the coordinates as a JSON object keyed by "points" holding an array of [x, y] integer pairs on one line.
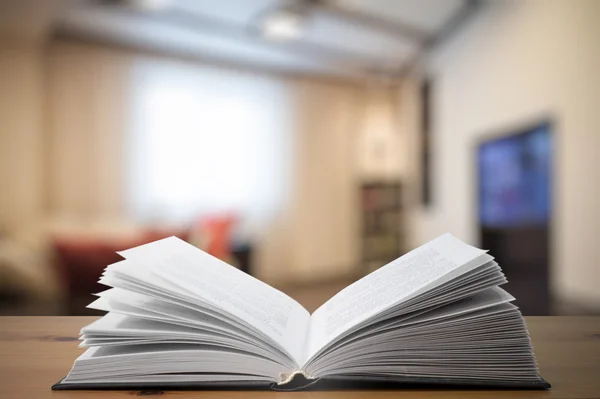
{"points": [[284, 24], [149, 5]]}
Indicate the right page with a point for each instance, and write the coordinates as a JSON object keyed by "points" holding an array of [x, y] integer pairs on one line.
{"points": [[418, 271]]}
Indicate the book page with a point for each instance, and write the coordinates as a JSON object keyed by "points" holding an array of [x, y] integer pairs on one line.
{"points": [[119, 329], [400, 280], [489, 298], [272, 312]]}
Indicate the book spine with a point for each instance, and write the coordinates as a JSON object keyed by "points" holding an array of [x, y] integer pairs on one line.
{"points": [[287, 378]]}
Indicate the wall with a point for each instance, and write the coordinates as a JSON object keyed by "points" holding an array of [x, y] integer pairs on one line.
{"points": [[381, 150], [65, 119], [314, 236], [514, 63]]}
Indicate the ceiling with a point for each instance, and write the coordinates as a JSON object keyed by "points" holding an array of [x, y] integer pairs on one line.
{"points": [[341, 38]]}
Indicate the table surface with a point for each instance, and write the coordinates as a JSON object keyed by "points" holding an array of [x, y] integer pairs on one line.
{"points": [[35, 352]]}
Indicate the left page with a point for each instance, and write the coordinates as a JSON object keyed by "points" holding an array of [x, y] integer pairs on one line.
{"points": [[270, 311]]}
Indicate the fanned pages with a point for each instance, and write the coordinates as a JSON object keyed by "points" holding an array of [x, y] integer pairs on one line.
{"points": [[177, 315]]}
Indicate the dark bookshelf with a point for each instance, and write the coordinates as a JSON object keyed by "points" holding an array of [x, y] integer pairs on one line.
{"points": [[382, 223]]}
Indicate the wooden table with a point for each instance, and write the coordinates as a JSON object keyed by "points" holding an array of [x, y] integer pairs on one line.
{"points": [[35, 352]]}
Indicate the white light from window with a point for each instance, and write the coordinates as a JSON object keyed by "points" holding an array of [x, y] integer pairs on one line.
{"points": [[206, 141]]}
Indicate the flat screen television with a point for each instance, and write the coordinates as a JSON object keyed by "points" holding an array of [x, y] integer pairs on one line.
{"points": [[515, 179]]}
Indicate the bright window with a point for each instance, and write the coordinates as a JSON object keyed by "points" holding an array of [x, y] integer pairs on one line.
{"points": [[206, 141]]}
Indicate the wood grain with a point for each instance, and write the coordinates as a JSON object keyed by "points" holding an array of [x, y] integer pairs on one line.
{"points": [[35, 352]]}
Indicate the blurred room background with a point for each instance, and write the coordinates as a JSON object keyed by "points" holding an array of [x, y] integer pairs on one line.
{"points": [[307, 142]]}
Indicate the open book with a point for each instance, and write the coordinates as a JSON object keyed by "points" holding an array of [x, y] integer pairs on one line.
{"points": [[178, 317]]}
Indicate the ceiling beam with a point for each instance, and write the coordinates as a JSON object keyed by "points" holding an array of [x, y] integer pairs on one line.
{"points": [[454, 23], [61, 34], [449, 29], [400, 30], [197, 22]]}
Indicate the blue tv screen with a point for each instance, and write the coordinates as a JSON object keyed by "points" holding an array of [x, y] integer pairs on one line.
{"points": [[515, 178]]}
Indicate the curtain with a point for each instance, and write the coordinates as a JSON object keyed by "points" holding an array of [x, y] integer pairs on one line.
{"points": [[147, 139], [88, 113]]}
